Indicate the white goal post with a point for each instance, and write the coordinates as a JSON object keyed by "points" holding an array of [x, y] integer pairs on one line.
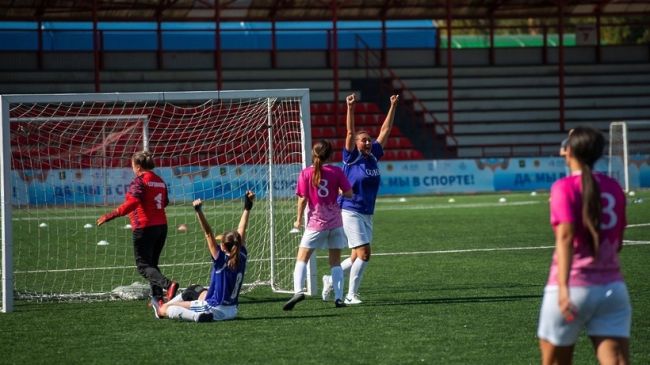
{"points": [[65, 160], [628, 144]]}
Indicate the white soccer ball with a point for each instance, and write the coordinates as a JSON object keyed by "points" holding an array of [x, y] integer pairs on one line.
{"points": [[402, 200], [43, 225], [127, 226], [502, 200], [182, 228], [88, 226], [631, 193], [102, 243], [452, 200], [533, 193]]}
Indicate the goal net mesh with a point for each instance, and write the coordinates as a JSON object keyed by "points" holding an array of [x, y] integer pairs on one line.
{"points": [[71, 162]]}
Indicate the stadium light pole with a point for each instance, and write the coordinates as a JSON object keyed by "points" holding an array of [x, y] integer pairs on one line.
{"points": [[335, 63], [560, 62], [217, 44], [96, 48], [450, 74]]}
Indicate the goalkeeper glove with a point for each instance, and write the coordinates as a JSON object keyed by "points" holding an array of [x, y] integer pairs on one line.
{"points": [[248, 202], [197, 206]]}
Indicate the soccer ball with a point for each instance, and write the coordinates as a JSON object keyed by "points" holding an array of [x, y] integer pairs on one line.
{"points": [[182, 228]]}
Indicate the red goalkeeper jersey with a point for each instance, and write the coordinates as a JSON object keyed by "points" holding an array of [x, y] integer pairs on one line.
{"points": [[145, 201]]}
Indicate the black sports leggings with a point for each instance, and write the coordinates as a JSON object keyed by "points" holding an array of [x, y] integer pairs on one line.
{"points": [[148, 244]]}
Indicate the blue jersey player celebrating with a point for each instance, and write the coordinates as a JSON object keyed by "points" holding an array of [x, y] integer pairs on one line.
{"points": [[229, 255], [360, 164]]}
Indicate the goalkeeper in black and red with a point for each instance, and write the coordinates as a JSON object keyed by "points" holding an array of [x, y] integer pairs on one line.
{"points": [[145, 202]]}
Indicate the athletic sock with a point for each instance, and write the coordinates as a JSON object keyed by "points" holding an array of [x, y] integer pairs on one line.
{"points": [[184, 314], [346, 264], [356, 273], [299, 273], [177, 298], [337, 282]]}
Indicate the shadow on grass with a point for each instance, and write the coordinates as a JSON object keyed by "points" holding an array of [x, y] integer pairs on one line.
{"points": [[284, 317], [454, 300]]}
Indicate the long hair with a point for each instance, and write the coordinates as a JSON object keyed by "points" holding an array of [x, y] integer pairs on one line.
{"points": [[232, 240], [144, 159], [320, 153], [587, 147]]}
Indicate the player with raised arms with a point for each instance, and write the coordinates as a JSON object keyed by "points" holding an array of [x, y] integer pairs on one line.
{"points": [[585, 287], [145, 202], [360, 164], [229, 256], [318, 188]]}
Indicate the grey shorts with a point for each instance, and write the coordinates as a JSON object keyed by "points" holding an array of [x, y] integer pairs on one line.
{"points": [[603, 310]]}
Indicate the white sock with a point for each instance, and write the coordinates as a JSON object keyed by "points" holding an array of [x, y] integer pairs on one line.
{"points": [[337, 282], [356, 273], [177, 298], [184, 314], [346, 264], [299, 273]]}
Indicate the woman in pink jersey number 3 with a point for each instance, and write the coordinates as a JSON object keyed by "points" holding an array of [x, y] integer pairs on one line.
{"points": [[585, 287]]}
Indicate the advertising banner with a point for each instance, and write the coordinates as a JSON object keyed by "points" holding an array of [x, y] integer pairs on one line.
{"points": [[425, 177]]}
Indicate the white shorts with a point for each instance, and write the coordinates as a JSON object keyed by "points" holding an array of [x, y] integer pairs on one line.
{"points": [[358, 228], [603, 310], [219, 313], [329, 238]]}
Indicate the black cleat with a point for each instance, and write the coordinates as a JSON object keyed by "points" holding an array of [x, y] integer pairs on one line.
{"points": [[339, 303], [298, 297], [204, 317], [171, 291]]}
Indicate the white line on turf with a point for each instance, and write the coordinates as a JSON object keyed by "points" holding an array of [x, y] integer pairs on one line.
{"points": [[469, 250]]}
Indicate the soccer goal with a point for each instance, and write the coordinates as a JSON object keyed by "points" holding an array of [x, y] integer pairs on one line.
{"points": [[628, 147], [66, 160]]}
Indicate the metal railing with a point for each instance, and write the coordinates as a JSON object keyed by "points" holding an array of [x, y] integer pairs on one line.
{"points": [[372, 62]]}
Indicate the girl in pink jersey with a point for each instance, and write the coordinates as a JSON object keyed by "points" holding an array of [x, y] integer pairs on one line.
{"points": [[585, 288], [318, 188]]}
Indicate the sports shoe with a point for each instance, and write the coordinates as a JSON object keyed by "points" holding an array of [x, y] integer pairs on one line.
{"points": [[339, 303], [156, 303], [204, 317], [171, 291], [298, 297], [352, 299], [327, 287]]}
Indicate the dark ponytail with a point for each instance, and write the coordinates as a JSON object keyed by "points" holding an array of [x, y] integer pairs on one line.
{"points": [[587, 146], [320, 153], [232, 241], [591, 207]]}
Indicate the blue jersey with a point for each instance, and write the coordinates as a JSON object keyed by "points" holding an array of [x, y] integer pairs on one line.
{"points": [[363, 173], [225, 284]]}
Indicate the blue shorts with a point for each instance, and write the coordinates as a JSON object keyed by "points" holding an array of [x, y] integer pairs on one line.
{"points": [[603, 310]]}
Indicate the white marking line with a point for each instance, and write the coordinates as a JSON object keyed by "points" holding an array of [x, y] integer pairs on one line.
{"points": [[380, 207], [451, 206], [637, 225], [626, 242]]}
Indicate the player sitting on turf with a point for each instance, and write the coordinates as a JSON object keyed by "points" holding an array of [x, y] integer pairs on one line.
{"points": [[219, 302]]}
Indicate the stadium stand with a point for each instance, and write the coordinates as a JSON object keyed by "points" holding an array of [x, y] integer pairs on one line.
{"points": [[513, 110]]}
